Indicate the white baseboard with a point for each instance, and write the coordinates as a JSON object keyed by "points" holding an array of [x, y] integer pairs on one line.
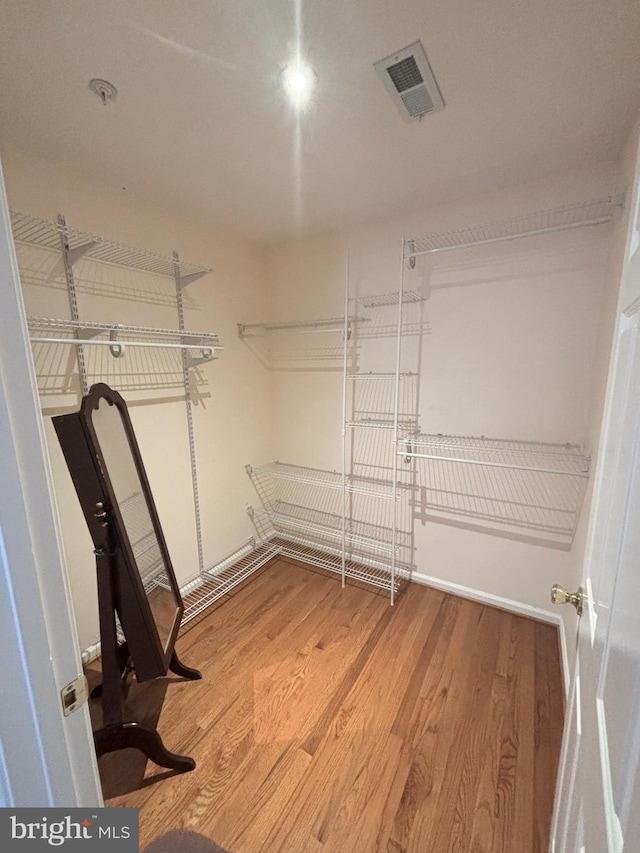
{"points": [[455, 589], [486, 598], [505, 604], [91, 653]]}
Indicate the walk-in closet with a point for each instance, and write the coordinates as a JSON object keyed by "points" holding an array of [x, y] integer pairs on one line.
{"points": [[391, 473], [366, 280]]}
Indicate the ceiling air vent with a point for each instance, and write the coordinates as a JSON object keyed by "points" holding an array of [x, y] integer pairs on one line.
{"points": [[408, 78]]}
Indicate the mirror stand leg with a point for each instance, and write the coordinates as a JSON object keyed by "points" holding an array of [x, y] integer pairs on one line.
{"points": [[148, 741], [124, 662], [176, 666]]}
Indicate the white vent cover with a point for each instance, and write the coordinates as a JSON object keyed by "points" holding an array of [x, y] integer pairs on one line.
{"points": [[408, 78]]}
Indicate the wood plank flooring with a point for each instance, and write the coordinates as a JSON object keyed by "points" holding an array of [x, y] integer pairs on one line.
{"points": [[329, 721]]}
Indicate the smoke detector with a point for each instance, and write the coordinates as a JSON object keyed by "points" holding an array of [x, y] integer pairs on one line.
{"points": [[408, 78]]}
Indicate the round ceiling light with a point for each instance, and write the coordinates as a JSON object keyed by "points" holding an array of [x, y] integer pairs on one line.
{"points": [[298, 80]]}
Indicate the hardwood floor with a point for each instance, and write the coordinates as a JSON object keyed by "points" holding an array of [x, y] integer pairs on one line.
{"points": [[329, 721]]}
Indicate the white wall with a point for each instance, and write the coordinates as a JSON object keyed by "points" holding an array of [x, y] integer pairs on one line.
{"points": [[512, 354], [520, 337], [306, 280], [232, 414]]}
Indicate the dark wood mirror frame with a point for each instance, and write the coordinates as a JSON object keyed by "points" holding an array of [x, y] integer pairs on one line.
{"points": [[148, 649]]}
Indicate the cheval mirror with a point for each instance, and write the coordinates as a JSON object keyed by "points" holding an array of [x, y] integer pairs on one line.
{"points": [[136, 581]]}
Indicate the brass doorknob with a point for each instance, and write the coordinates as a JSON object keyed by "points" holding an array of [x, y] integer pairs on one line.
{"points": [[559, 595]]}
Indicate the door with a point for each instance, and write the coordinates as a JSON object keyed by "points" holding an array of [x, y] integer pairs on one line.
{"points": [[598, 796], [46, 759]]}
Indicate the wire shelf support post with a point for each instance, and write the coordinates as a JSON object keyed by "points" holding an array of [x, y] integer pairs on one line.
{"points": [[345, 363], [67, 260], [396, 425], [181, 282]]}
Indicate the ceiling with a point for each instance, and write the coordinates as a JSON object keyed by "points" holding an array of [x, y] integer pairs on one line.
{"points": [[201, 124]]}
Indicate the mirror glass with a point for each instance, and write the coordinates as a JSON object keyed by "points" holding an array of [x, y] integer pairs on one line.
{"points": [[129, 493]]}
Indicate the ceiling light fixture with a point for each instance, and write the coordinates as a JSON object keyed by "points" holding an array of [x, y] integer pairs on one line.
{"points": [[298, 80], [106, 91]]}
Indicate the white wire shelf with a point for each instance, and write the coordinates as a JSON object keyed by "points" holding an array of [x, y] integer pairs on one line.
{"points": [[366, 326], [564, 218], [388, 375], [328, 479], [371, 423], [363, 570], [500, 485], [382, 312], [232, 570], [46, 234], [120, 336], [326, 528], [221, 578], [382, 300], [305, 344], [382, 423], [499, 453], [298, 327]]}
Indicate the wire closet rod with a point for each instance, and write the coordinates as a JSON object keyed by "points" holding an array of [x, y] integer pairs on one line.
{"points": [[298, 327], [87, 333], [489, 464], [564, 218], [541, 457], [35, 339]]}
